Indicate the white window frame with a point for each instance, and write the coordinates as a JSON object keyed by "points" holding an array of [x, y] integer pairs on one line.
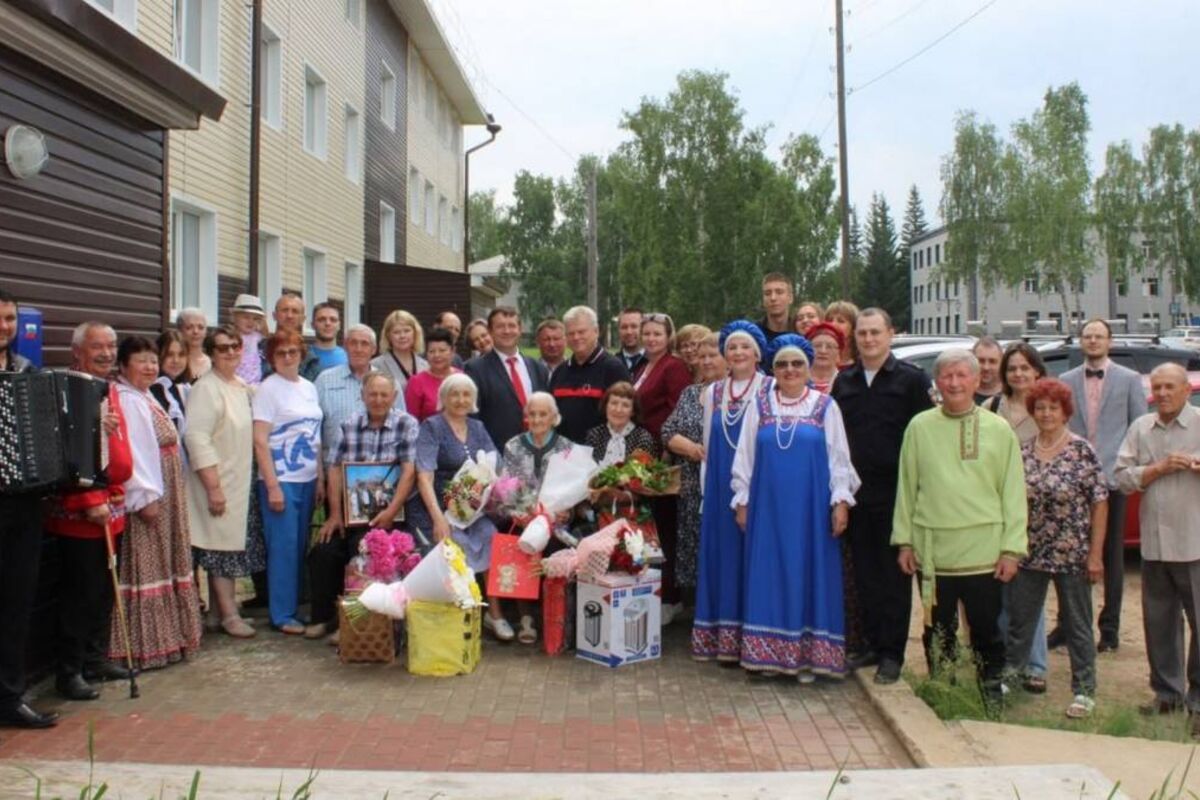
{"points": [[209, 68], [352, 146], [314, 283], [319, 116], [123, 11], [431, 98], [415, 189], [387, 233], [443, 220], [206, 258], [455, 229], [354, 10], [430, 210], [353, 294], [387, 96], [270, 269], [272, 77]]}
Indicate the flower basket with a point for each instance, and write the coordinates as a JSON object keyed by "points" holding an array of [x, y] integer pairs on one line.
{"points": [[637, 475], [365, 639]]}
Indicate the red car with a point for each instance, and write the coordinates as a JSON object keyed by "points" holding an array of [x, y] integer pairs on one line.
{"points": [[1133, 527]]}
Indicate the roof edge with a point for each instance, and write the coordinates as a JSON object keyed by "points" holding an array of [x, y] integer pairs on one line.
{"points": [[426, 34]]}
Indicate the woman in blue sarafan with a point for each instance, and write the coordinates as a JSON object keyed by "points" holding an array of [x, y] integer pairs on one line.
{"points": [[717, 629], [793, 484]]}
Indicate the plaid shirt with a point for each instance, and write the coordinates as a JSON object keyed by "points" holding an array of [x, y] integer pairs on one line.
{"points": [[394, 442]]}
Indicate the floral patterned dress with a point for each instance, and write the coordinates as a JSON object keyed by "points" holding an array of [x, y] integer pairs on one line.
{"points": [[687, 420], [1061, 494]]}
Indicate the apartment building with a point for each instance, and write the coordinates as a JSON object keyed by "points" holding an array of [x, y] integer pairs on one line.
{"points": [[1146, 301]]}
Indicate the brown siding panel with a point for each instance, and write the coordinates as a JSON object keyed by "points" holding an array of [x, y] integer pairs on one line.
{"points": [[82, 240], [425, 293], [386, 151]]}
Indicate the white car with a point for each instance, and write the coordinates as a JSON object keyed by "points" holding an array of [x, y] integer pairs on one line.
{"points": [[1184, 336], [923, 351]]}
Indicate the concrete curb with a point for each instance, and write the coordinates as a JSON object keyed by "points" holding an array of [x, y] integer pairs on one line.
{"points": [[928, 740]]}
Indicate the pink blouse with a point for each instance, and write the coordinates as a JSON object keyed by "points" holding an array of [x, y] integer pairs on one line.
{"points": [[421, 394]]}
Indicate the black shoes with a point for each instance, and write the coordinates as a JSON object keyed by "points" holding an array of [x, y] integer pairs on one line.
{"points": [[862, 659], [74, 687], [23, 716], [1056, 639], [1108, 644], [888, 672], [106, 671], [1157, 707]]}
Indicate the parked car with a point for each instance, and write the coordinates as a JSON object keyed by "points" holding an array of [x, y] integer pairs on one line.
{"points": [[1187, 336], [1133, 527], [1139, 355]]}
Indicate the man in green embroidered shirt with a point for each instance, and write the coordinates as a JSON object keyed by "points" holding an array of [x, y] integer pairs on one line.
{"points": [[961, 515]]}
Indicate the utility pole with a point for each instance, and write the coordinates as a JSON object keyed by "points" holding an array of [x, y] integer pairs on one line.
{"points": [[843, 167], [593, 255]]}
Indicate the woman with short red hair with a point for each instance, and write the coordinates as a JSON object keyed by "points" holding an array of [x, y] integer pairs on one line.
{"points": [[1068, 509], [287, 449]]}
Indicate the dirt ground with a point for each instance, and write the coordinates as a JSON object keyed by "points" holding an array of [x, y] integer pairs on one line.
{"points": [[1122, 677]]}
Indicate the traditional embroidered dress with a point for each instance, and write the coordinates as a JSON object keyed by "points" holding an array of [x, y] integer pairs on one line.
{"points": [[717, 628], [792, 465], [160, 598]]}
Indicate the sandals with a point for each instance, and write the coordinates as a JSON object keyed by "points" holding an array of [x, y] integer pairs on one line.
{"points": [[238, 628], [527, 634], [1034, 684], [291, 628], [1081, 707]]}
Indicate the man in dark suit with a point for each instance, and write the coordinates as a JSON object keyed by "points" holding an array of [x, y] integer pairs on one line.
{"points": [[1108, 398], [505, 377]]}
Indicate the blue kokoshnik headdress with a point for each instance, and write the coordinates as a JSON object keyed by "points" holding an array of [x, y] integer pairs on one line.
{"points": [[790, 341], [747, 329]]}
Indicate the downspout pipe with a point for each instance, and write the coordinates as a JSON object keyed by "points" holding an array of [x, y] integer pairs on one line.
{"points": [[492, 128], [255, 141]]}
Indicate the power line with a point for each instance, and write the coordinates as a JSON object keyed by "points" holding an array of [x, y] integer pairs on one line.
{"points": [[561, 148], [889, 23], [926, 48]]}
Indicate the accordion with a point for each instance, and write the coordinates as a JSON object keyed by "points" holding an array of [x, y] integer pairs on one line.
{"points": [[50, 431]]}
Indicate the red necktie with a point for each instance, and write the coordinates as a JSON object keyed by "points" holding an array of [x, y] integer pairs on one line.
{"points": [[518, 387]]}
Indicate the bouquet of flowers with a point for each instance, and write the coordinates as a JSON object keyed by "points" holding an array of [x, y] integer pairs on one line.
{"points": [[629, 555], [441, 577], [565, 485], [466, 496], [511, 497], [386, 555], [639, 474]]}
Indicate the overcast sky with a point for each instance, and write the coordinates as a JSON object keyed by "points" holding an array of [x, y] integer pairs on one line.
{"points": [[557, 74]]}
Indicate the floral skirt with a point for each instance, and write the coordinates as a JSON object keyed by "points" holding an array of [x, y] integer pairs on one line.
{"points": [[238, 563]]}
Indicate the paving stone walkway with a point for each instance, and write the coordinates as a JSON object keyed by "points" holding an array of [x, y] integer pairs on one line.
{"points": [[284, 702]]}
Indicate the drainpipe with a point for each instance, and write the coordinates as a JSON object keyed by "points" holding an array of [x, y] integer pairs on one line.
{"points": [[255, 140], [492, 129]]}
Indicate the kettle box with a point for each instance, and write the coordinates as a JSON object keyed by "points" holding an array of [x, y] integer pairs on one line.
{"points": [[619, 618]]}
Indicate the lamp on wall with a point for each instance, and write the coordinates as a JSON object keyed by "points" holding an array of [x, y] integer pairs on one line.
{"points": [[25, 151]]}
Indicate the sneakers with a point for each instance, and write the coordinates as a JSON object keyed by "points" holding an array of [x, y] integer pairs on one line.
{"points": [[499, 628]]}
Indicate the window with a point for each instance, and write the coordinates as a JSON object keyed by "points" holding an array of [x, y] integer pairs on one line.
{"points": [[916, 261], [430, 97], [314, 288], [387, 97], [387, 233], [193, 258], [1031, 318], [957, 323], [270, 267], [939, 324], [123, 11], [272, 78], [937, 254], [1150, 287], [197, 36], [928, 256], [315, 112], [353, 157], [1122, 289], [353, 295], [1148, 250], [414, 196], [456, 232], [354, 12], [443, 221], [415, 74], [1056, 317], [1031, 285], [455, 136], [430, 210], [1079, 286]]}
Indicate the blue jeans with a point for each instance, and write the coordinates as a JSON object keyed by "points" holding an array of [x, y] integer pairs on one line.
{"points": [[1038, 651], [286, 534]]}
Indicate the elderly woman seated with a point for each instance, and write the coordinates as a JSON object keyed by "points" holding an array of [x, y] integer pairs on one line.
{"points": [[381, 434]]}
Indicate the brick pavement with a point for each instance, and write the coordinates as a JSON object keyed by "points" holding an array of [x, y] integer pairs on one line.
{"points": [[284, 702]]}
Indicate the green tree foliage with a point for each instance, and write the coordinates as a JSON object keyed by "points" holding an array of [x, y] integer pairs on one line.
{"points": [[883, 280], [485, 226], [914, 226]]}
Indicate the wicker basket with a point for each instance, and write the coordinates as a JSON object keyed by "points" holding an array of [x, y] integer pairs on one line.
{"points": [[368, 640]]}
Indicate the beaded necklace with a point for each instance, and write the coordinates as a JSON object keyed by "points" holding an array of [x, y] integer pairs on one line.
{"points": [[781, 426], [728, 419]]}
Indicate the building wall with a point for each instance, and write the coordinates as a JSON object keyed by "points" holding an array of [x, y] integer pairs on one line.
{"points": [[435, 150], [305, 200], [386, 147], [942, 308]]}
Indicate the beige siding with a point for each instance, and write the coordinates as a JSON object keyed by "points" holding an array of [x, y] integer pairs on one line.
{"points": [[307, 201], [439, 161]]}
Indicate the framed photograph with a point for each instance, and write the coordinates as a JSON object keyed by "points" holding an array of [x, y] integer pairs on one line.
{"points": [[368, 488]]}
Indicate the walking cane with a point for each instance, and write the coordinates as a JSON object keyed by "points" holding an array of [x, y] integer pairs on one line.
{"points": [[112, 571]]}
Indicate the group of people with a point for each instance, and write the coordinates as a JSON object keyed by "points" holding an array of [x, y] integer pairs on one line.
{"points": [[819, 475]]}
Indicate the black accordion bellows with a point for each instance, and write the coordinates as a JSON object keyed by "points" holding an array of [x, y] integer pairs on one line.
{"points": [[49, 431]]}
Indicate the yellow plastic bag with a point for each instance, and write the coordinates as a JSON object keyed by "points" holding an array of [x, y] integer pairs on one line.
{"points": [[443, 639]]}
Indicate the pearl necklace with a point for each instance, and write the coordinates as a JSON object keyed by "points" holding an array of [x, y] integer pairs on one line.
{"points": [[729, 420], [781, 426], [1050, 448]]}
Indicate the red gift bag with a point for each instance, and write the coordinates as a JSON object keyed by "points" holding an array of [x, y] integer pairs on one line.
{"points": [[512, 573], [558, 615]]}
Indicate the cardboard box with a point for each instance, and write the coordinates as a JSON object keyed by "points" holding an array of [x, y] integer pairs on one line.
{"points": [[618, 618]]}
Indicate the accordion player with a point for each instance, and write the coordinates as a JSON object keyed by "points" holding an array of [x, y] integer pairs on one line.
{"points": [[51, 434]]}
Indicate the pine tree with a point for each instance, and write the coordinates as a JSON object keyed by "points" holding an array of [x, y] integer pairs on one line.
{"points": [[883, 281], [914, 226]]}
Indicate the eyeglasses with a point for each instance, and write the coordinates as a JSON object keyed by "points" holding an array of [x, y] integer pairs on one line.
{"points": [[288, 352], [230, 347], [797, 364], [822, 346]]}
